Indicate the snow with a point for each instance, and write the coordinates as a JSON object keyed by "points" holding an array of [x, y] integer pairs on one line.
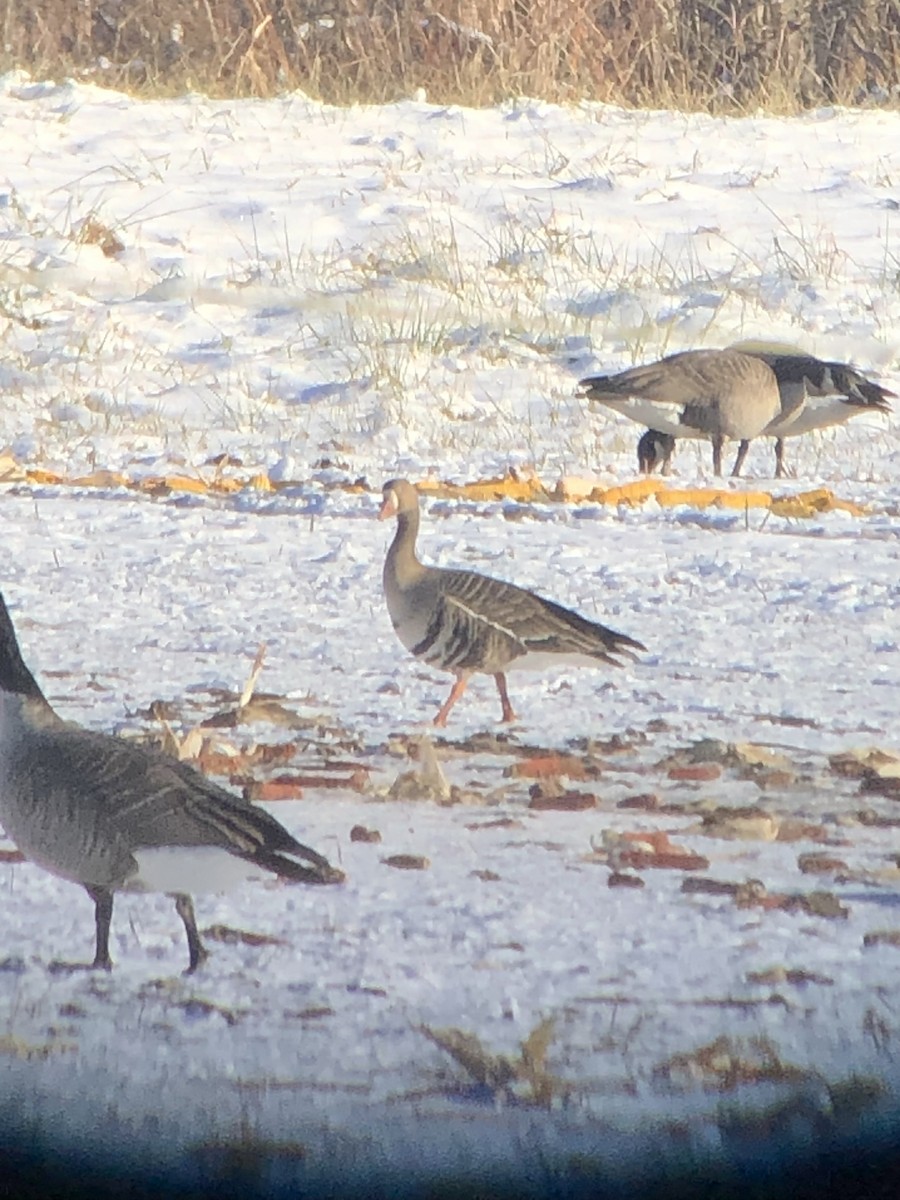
{"points": [[341, 295]]}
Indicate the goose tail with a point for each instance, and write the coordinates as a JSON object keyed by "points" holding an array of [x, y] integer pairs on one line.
{"points": [[315, 868]]}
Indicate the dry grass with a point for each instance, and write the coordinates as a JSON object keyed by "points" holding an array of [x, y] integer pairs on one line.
{"points": [[726, 1063], [782, 55], [523, 1079]]}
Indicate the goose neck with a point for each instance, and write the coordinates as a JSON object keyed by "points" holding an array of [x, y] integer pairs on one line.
{"points": [[14, 675], [402, 553], [19, 711]]}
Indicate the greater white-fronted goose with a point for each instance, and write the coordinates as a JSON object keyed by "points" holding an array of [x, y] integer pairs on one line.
{"points": [[814, 395], [721, 395], [115, 816], [468, 623]]}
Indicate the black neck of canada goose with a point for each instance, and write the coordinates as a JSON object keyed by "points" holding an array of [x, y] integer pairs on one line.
{"points": [[14, 675], [655, 451], [858, 390]]}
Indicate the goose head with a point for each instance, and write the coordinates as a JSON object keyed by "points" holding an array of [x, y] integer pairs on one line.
{"points": [[400, 498]]}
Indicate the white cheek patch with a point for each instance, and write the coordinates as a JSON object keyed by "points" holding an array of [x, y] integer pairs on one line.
{"points": [[190, 869]]}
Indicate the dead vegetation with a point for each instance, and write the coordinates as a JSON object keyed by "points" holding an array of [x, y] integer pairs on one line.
{"points": [[674, 53], [725, 1063], [523, 1078]]}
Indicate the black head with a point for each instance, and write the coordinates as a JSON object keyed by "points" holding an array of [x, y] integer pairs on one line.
{"points": [[654, 451]]}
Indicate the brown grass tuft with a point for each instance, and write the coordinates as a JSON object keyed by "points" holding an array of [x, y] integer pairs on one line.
{"points": [[782, 55]]}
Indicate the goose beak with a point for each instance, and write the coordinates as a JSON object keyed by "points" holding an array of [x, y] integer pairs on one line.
{"points": [[389, 507]]}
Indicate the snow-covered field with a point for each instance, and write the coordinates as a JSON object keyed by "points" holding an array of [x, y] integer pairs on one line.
{"points": [[330, 298]]}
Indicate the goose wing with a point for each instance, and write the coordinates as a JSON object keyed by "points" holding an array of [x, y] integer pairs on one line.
{"points": [[483, 624], [101, 799], [821, 378]]}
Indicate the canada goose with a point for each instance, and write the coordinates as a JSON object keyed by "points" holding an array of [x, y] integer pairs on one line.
{"points": [[716, 394], [468, 623], [814, 394], [111, 815]]}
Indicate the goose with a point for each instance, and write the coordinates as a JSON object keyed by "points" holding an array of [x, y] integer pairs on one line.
{"points": [[814, 395], [468, 623], [716, 394], [112, 816]]}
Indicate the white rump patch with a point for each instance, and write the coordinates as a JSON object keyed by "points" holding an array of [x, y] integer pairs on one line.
{"points": [[190, 869]]}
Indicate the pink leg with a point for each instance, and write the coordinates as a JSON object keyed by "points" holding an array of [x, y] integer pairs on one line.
{"points": [[455, 692], [508, 712]]}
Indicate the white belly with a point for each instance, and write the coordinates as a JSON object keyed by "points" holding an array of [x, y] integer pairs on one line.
{"points": [[190, 869], [665, 418]]}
